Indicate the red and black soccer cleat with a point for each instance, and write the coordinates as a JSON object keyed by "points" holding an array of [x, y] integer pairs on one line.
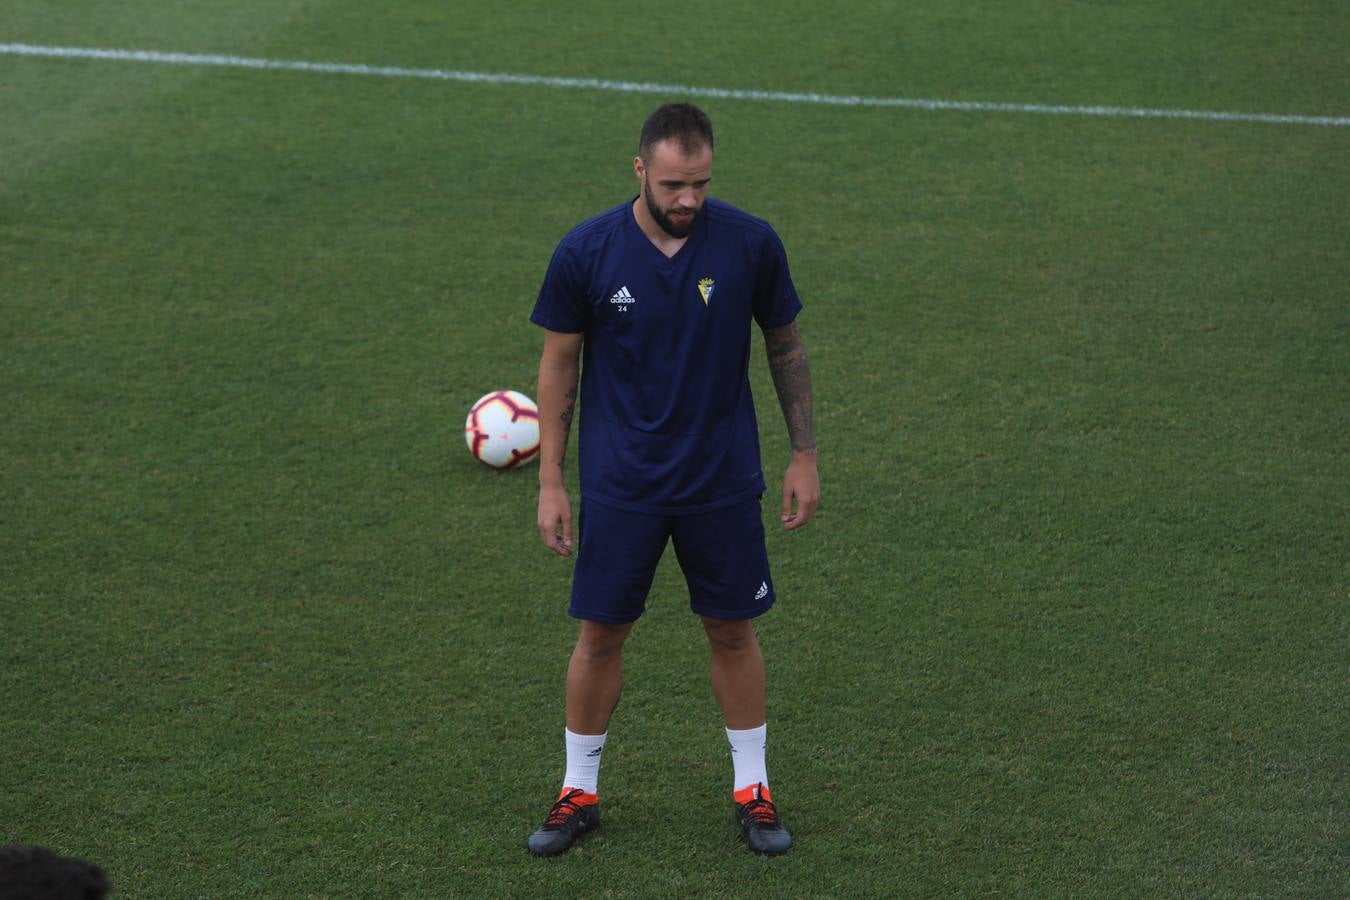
{"points": [[575, 813], [764, 832]]}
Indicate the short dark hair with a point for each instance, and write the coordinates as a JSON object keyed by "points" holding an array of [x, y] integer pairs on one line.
{"points": [[36, 873], [684, 122]]}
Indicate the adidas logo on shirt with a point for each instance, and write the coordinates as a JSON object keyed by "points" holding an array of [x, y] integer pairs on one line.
{"points": [[763, 590], [622, 298]]}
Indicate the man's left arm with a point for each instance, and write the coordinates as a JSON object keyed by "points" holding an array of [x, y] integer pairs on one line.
{"points": [[792, 380]]}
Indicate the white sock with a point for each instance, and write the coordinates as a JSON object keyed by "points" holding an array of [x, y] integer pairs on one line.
{"points": [[747, 757], [583, 760]]}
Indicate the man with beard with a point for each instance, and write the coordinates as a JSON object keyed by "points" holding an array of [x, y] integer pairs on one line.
{"points": [[656, 297]]}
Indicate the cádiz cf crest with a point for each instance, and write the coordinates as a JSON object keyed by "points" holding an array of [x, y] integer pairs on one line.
{"points": [[705, 289]]}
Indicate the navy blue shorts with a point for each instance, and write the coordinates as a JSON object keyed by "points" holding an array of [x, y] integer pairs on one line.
{"points": [[721, 553]]}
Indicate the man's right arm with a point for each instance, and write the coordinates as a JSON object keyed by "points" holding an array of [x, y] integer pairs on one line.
{"points": [[559, 370]]}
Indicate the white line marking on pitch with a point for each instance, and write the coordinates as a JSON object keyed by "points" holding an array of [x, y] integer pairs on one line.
{"points": [[638, 87]]}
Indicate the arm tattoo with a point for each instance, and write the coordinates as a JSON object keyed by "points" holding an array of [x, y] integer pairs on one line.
{"points": [[792, 381], [568, 406]]}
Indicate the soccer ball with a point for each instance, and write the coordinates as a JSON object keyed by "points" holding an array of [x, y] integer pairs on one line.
{"points": [[502, 430]]}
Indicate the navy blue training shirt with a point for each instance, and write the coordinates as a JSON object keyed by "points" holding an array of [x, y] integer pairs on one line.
{"points": [[667, 421]]}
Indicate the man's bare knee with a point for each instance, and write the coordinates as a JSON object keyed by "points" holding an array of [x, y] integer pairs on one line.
{"points": [[600, 640], [730, 636]]}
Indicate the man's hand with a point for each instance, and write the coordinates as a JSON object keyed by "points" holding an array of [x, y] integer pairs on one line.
{"points": [[555, 519], [801, 485]]}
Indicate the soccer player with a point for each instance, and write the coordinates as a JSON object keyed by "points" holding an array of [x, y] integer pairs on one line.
{"points": [[648, 305]]}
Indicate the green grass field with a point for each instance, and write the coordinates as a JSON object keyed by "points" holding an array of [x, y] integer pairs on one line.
{"points": [[1074, 617]]}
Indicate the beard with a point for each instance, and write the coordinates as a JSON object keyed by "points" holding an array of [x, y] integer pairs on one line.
{"points": [[662, 217]]}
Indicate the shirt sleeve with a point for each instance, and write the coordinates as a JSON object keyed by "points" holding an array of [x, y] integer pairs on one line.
{"points": [[776, 301], [561, 305]]}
